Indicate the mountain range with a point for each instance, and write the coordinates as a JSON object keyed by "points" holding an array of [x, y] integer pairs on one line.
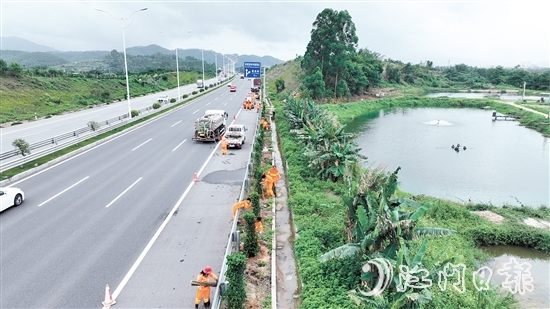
{"points": [[29, 54]]}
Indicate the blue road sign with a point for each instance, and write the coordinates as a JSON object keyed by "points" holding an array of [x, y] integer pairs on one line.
{"points": [[252, 69]]}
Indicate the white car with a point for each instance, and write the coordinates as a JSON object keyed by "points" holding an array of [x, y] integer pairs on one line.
{"points": [[10, 197]]}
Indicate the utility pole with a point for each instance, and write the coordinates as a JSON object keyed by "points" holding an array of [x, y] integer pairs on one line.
{"points": [[523, 95], [264, 88]]}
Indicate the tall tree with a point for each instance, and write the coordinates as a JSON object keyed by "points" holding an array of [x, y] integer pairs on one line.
{"points": [[332, 46]]}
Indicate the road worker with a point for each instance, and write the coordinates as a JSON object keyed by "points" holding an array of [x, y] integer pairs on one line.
{"points": [[266, 125], [259, 107], [274, 173], [203, 292], [268, 182], [223, 142], [246, 204], [259, 226]]}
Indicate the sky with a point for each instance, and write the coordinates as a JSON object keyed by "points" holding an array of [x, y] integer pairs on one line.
{"points": [[476, 33]]}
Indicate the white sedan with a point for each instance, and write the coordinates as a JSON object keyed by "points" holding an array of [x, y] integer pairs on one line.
{"points": [[11, 197]]}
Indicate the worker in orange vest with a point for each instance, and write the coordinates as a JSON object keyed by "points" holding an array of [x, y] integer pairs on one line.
{"points": [[246, 204], [267, 181], [259, 226], [275, 175], [203, 292], [259, 105], [265, 124], [223, 142]]}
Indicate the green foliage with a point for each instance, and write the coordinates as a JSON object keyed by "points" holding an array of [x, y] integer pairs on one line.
{"points": [[185, 96], [172, 100], [93, 125], [194, 92], [156, 105], [22, 146], [236, 293], [250, 246], [134, 113], [201, 90], [255, 201], [280, 84]]}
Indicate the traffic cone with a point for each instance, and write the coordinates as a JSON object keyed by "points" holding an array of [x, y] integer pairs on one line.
{"points": [[109, 301], [235, 117], [195, 178]]}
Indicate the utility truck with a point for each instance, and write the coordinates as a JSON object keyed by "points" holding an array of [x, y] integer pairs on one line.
{"points": [[200, 83], [235, 136], [211, 126]]}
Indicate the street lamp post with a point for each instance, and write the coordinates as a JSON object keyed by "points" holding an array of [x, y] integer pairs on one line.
{"points": [[203, 81], [124, 48], [177, 63]]}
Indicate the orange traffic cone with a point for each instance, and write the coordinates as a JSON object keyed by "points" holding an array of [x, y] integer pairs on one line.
{"points": [[109, 301], [195, 178]]}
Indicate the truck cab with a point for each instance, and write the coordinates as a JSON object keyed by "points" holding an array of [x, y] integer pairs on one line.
{"points": [[235, 135]]}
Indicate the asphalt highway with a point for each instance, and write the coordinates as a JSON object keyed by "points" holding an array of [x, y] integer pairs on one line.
{"points": [[127, 213]]}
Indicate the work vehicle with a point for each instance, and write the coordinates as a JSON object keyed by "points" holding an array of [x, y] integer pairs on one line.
{"points": [[242, 76], [200, 83], [163, 99], [232, 88], [235, 136], [211, 126], [257, 83], [11, 197]]}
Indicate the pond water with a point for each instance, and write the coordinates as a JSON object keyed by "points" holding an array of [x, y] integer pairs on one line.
{"points": [[473, 95], [537, 266], [503, 163]]}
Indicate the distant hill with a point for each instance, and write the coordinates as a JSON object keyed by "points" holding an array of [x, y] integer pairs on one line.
{"points": [[29, 54], [15, 43]]}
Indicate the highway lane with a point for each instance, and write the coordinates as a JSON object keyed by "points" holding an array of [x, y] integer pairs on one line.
{"points": [[43, 129], [85, 221]]}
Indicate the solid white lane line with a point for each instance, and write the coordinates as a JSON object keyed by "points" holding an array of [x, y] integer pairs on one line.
{"points": [[195, 111], [179, 144], [58, 194], [142, 144], [175, 124], [116, 198]]}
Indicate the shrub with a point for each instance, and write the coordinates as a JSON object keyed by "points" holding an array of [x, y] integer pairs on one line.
{"points": [[156, 105], [185, 96], [172, 100], [94, 125], [255, 201], [22, 146], [202, 90], [251, 246], [194, 92], [236, 293], [135, 113], [205, 88]]}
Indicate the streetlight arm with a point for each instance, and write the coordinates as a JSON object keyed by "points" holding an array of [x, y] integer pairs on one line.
{"points": [[122, 19]]}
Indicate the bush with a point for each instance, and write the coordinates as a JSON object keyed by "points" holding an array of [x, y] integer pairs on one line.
{"points": [[172, 100], [156, 105], [202, 90], [94, 125], [22, 146], [251, 246], [255, 200], [194, 92], [236, 293], [185, 96], [205, 88], [135, 113]]}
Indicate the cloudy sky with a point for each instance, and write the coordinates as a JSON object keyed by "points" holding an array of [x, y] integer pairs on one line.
{"points": [[477, 33]]}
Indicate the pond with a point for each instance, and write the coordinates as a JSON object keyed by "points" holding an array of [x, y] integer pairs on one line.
{"points": [[502, 162], [530, 264]]}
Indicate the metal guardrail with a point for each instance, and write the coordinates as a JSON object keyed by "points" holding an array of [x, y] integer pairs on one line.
{"points": [[229, 248], [73, 137]]}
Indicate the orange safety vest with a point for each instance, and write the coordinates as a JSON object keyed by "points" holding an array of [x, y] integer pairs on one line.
{"points": [[202, 278]]}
